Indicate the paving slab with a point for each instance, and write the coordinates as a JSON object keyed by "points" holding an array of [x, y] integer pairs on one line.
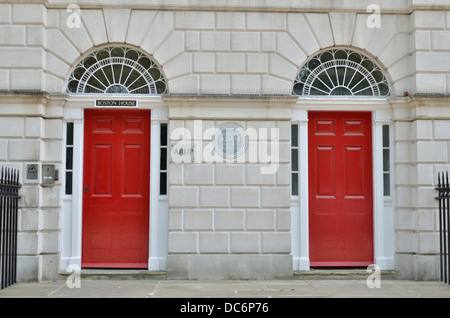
{"points": [[296, 288]]}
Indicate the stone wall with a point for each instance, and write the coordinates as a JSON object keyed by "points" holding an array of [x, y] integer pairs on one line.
{"points": [[31, 133]]}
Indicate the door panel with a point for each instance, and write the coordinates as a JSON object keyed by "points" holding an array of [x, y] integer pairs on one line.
{"points": [[116, 188], [341, 190]]}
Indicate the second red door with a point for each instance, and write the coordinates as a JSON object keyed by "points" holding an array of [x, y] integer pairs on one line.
{"points": [[340, 189]]}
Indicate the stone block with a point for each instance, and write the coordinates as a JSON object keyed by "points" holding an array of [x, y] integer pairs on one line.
{"points": [[3, 149], [432, 61], [214, 197], [230, 63], [27, 243], [213, 242], [244, 242], [229, 220], [320, 23], [266, 21], [342, 24], [12, 35], [185, 85], [229, 174], [49, 196], [274, 85], [95, 25], [422, 129], [182, 242], [245, 84], [27, 268], [426, 267], [5, 13], [214, 41], [52, 151], [198, 219], [50, 267], [49, 220], [245, 197], [34, 126], [257, 63], [160, 30], [275, 196], [176, 174], [431, 151], [279, 67], [53, 129], [170, 48], [21, 57], [48, 242], [77, 35], [398, 48], [204, 62], [194, 20], [276, 242], [26, 79], [253, 176], [180, 196], [431, 83], [245, 41], [11, 126], [28, 220], [230, 20], [199, 174], [192, 40], [422, 40], [428, 19], [405, 242], [4, 79], [290, 50], [298, 27], [29, 13], [24, 150], [140, 22], [441, 129], [61, 46], [214, 84], [261, 220], [116, 22], [268, 42], [283, 220], [175, 220]]}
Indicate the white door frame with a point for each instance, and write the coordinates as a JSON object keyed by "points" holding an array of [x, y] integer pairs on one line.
{"points": [[382, 211], [71, 227]]}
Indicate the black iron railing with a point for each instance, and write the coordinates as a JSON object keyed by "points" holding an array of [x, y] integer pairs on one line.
{"points": [[444, 225], [9, 197]]}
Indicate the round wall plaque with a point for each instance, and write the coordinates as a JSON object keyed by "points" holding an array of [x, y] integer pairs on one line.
{"points": [[230, 141]]}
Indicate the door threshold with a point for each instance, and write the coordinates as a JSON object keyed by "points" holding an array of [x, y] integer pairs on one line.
{"points": [[342, 274], [116, 274]]}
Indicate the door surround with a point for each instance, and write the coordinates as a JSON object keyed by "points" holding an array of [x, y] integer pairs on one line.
{"points": [[383, 219], [71, 240]]}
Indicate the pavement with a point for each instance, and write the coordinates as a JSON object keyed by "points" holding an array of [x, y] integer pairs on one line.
{"points": [[229, 289]]}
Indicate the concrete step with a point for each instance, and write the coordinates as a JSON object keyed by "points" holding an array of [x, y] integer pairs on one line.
{"points": [[116, 274], [348, 274]]}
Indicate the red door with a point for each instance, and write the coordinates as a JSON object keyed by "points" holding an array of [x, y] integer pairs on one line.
{"points": [[116, 190], [340, 189]]}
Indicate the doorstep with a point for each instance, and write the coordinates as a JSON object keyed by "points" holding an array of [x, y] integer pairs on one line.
{"points": [[116, 274], [344, 274]]}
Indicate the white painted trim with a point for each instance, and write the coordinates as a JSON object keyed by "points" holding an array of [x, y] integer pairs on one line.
{"points": [[72, 233], [383, 215]]}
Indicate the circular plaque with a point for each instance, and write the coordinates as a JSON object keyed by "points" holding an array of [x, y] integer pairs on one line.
{"points": [[230, 141]]}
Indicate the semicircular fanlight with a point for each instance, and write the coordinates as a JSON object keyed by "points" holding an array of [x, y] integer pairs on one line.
{"points": [[341, 72], [117, 70]]}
